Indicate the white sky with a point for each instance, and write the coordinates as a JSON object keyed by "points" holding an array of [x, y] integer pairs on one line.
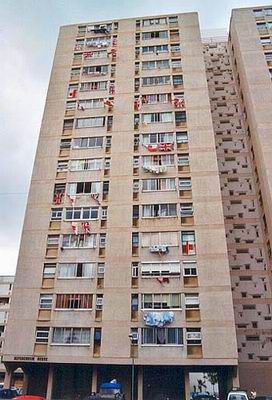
{"points": [[28, 35]]}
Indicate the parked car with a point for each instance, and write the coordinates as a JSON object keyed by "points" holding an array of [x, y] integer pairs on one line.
{"points": [[237, 395], [203, 396], [107, 391]]}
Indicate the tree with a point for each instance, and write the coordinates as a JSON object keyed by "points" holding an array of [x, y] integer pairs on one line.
{"points": [[212, 378]]}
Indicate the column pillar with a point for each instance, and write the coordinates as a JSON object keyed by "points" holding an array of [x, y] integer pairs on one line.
{"points": [[50, 382], [235, 378], [187, 388], [8, 377], [25, 384], [94, 379], [140, 383]]}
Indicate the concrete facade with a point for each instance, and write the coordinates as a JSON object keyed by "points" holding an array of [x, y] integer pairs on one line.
{"points": [[171, 169]]}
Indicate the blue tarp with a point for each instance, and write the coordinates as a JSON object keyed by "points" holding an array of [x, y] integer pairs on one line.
{"points": [[111, 386], [158, 319]]}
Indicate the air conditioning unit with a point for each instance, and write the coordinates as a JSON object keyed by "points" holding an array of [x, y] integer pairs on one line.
{"points": [[159, 248], [100, 271], [107, 163], [193, 336], [134, 337], [99, 301]]}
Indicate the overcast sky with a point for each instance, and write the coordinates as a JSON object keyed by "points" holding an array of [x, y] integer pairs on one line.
{"points": [[28, 35]]}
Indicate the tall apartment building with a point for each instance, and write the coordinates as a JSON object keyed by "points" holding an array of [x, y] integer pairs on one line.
{"points": [[130, 256]]}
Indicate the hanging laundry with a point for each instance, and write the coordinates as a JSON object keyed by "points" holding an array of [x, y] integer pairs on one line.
{"points": [[162, 280], [178, 102], [72, 198], [87, 55], [74, 227], [114, 41], [111, 88], [72, 93], [165, 146], [80, 107], [144, 99], [86, 227], [112, 52], [188, 247], [108, 102], [158, 319], [78, 47], [95, 196], [57, 198], [138, 104]]}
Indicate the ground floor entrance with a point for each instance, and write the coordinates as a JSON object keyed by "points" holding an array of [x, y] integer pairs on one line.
{"points": [[164, 382]]}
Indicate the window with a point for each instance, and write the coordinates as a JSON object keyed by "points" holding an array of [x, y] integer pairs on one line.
{"points": [[93, 86], [42, 334], [268, 11], [78, 213], [157, 117], [185, 184], [162, 336], [175, 48], [71, 336], [71, 105], [189, 268], [46, 301], [154, 21], [192, 301], [156, 98], [182, 137], [167, 159], [62, 166], [193, 336], [159, 210], [87, 164], [186, 210], [154, 35], [261, 26], [173, 20], [180, 116], [53, 241], [258, 13], [177, 80], [90, 122], [56, 214], [135, 239], [90, 104], [176, 63], [87, 142], [155, 49], [70, 241], [83, 188], [160, 64], [156, 138], [135, 270], [74, 301], [265, 40], [65, 143], [156, 80], [160, 238], [95, 70], [188, 243], [99, 28], [160, 268], [183, 159], [77, 270], [158, 184], [161, 301], [49, 270]]}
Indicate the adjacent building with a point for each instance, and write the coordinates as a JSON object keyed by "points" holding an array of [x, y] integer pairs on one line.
{"points": [[148, 212]]}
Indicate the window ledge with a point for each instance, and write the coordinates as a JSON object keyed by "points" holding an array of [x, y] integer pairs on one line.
{"points": [[71, 344], [162, 345]]}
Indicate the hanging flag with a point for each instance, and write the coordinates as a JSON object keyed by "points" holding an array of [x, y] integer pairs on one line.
{"points": [[111, 88], [72, 198], [138, 104], [87, 55], [153, 148], [165, 146], [95, 196], [57, 198], [112, 52], [188, 247], [72, 93], [108, 102], [114, 41], [178, 102], [74, 227], [86, 227]]}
